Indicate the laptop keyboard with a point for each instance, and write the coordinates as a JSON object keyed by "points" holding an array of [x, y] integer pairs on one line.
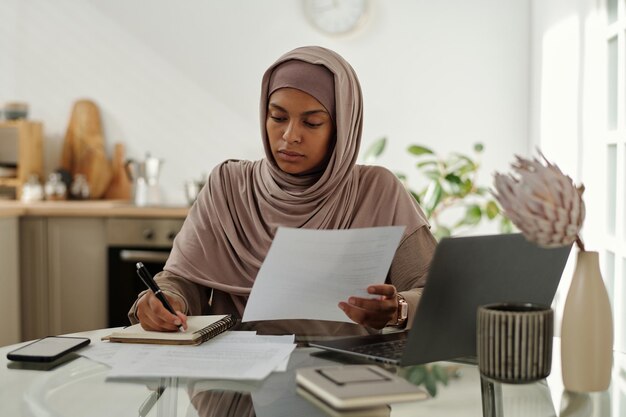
{"points": [[392, 349]]}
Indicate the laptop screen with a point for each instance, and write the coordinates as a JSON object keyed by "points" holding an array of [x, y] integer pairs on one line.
{"points": [[467, 272]]}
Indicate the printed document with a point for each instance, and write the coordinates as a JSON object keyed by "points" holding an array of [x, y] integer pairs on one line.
{"points": [[228, 356], [306, 273]]}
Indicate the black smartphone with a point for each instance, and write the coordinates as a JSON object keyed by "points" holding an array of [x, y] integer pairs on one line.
{"points": [[48, 349]]}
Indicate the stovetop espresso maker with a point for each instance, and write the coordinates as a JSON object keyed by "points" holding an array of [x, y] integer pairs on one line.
{"points": [[145, 179]]}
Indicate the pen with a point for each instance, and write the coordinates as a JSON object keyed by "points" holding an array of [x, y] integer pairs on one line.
{"points": [[147, 279]]}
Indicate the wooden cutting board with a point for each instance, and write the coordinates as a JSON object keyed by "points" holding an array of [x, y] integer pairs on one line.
{"points": [[84, 133], [97, 168], [120, 186], [83, 148]]}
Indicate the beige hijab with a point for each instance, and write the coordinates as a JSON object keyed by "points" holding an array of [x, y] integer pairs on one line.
{"points": [[230, 228]]}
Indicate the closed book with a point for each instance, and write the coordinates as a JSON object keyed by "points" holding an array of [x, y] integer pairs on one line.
{"points": [[199, 330], [357, 388]]}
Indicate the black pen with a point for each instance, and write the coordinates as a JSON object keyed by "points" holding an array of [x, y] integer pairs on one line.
{"points": [[147, 279]]}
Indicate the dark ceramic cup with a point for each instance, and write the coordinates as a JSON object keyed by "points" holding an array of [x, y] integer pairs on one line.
{"points": [[514, 342]]}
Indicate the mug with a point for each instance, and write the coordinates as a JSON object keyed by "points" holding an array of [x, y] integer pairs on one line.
{"points": [[514, 341]]}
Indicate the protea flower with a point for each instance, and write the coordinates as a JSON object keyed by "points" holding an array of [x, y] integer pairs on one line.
{"points": [[542, 202]]}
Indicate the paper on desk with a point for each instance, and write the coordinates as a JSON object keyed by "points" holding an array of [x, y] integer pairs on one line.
{"points": [[104, 352], [252, 337], [306, 273], [108, 353], [214, 359]]}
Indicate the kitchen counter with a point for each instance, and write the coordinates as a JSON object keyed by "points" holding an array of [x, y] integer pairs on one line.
{"points": [[92, 208]]}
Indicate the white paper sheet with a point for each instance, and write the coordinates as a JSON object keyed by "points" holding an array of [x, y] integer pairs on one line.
{"points": [[113, 353], [108, 353], [252, 337], [306, 273], [214, 360]]}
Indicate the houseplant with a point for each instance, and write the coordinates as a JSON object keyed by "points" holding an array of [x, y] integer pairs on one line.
{"points": [[451, 198], [548, 208]]}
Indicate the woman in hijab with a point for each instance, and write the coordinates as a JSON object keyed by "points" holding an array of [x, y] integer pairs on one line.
{"points": [[311, 122]]}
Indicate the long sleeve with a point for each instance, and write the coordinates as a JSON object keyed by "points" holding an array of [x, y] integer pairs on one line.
{"points": [[410, 267], [194, 297], [408, 273]]}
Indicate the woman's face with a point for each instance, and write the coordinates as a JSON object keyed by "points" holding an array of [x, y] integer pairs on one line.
{"points": [[300, 131]]}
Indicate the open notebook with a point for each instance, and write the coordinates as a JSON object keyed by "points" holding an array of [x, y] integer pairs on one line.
{"points": [[199, 330]]}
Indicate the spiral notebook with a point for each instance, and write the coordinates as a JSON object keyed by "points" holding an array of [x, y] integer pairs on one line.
{"points": [[199, 330]]}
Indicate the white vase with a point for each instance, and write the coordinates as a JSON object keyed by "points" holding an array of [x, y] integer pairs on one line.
{"points": [[587, 329]]}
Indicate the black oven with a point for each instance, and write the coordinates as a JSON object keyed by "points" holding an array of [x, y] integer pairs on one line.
{"points": [[130, 241]]}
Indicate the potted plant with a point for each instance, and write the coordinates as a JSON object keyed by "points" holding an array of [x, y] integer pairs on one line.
{"points": [[452, 199]]}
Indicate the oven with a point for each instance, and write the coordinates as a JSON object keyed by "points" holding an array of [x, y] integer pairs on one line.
{"points": [[130, 241]]}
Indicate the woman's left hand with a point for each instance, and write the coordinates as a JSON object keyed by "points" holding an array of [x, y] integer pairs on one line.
{"points": [[373, 312]]}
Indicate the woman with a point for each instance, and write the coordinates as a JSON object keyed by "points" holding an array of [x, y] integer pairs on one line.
{"points": [[311, 122]]}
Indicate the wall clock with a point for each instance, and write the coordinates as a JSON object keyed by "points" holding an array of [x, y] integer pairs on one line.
{"points": [[336, 17]]}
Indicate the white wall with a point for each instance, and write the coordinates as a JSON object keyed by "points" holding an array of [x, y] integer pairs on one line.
{"points": [[182, 79]]}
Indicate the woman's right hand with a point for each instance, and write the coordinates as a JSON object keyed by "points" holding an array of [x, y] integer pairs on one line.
{"points": [[154, 316]]}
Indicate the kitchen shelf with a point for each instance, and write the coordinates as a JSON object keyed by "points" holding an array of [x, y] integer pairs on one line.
{"points": [[21, 144], [9, 182]]}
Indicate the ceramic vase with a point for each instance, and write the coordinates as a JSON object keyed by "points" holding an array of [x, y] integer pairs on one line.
{"points": [[587, 329], [514, 342]]}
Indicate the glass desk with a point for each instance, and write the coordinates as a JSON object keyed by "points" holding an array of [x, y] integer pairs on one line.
{"points": [[80, 388]]}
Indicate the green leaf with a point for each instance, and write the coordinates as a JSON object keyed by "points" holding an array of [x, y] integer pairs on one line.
{"points": [[402, 177], [426, 163], [454, 190], [473, 214], [431, 384], [416, 374], [440, 374], [462, 157], [419, 150], [492, 210], [375, 149], [466, 187], [482, 190], [453, 178], [433, 174], [455, 185], [467, 169], [479, 147], [458, 167], [505, 225], [432, 196]]}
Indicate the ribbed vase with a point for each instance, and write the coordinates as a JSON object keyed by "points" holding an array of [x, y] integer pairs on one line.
{"points": [[514, 342], [587, 329]]}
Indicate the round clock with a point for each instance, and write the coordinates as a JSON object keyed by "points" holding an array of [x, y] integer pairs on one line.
{"points": [[336, 17]]}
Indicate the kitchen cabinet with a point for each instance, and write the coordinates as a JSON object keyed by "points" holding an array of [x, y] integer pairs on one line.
{"points": [[62, 265], [63, 274], [9, 282]]}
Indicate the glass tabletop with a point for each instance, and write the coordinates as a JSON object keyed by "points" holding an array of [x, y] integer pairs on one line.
{"points": [[80, 387]]}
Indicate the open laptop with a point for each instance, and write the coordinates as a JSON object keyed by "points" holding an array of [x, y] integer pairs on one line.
{"points": [[465, 272]]}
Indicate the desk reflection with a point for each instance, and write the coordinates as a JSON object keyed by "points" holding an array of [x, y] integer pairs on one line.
{"points": [[595, 404], [222, 403]]}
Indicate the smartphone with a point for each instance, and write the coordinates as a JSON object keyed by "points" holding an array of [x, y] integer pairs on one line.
{"points": [[48, 349]]}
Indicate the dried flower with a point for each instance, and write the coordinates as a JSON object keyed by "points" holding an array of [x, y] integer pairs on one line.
{"points": [[542, 202]]}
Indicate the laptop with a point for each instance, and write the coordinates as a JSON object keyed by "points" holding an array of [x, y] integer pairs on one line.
{"points": [[466, 272]]}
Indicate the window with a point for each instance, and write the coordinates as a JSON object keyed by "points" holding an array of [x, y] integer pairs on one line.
{"points": [[615, 160]]}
